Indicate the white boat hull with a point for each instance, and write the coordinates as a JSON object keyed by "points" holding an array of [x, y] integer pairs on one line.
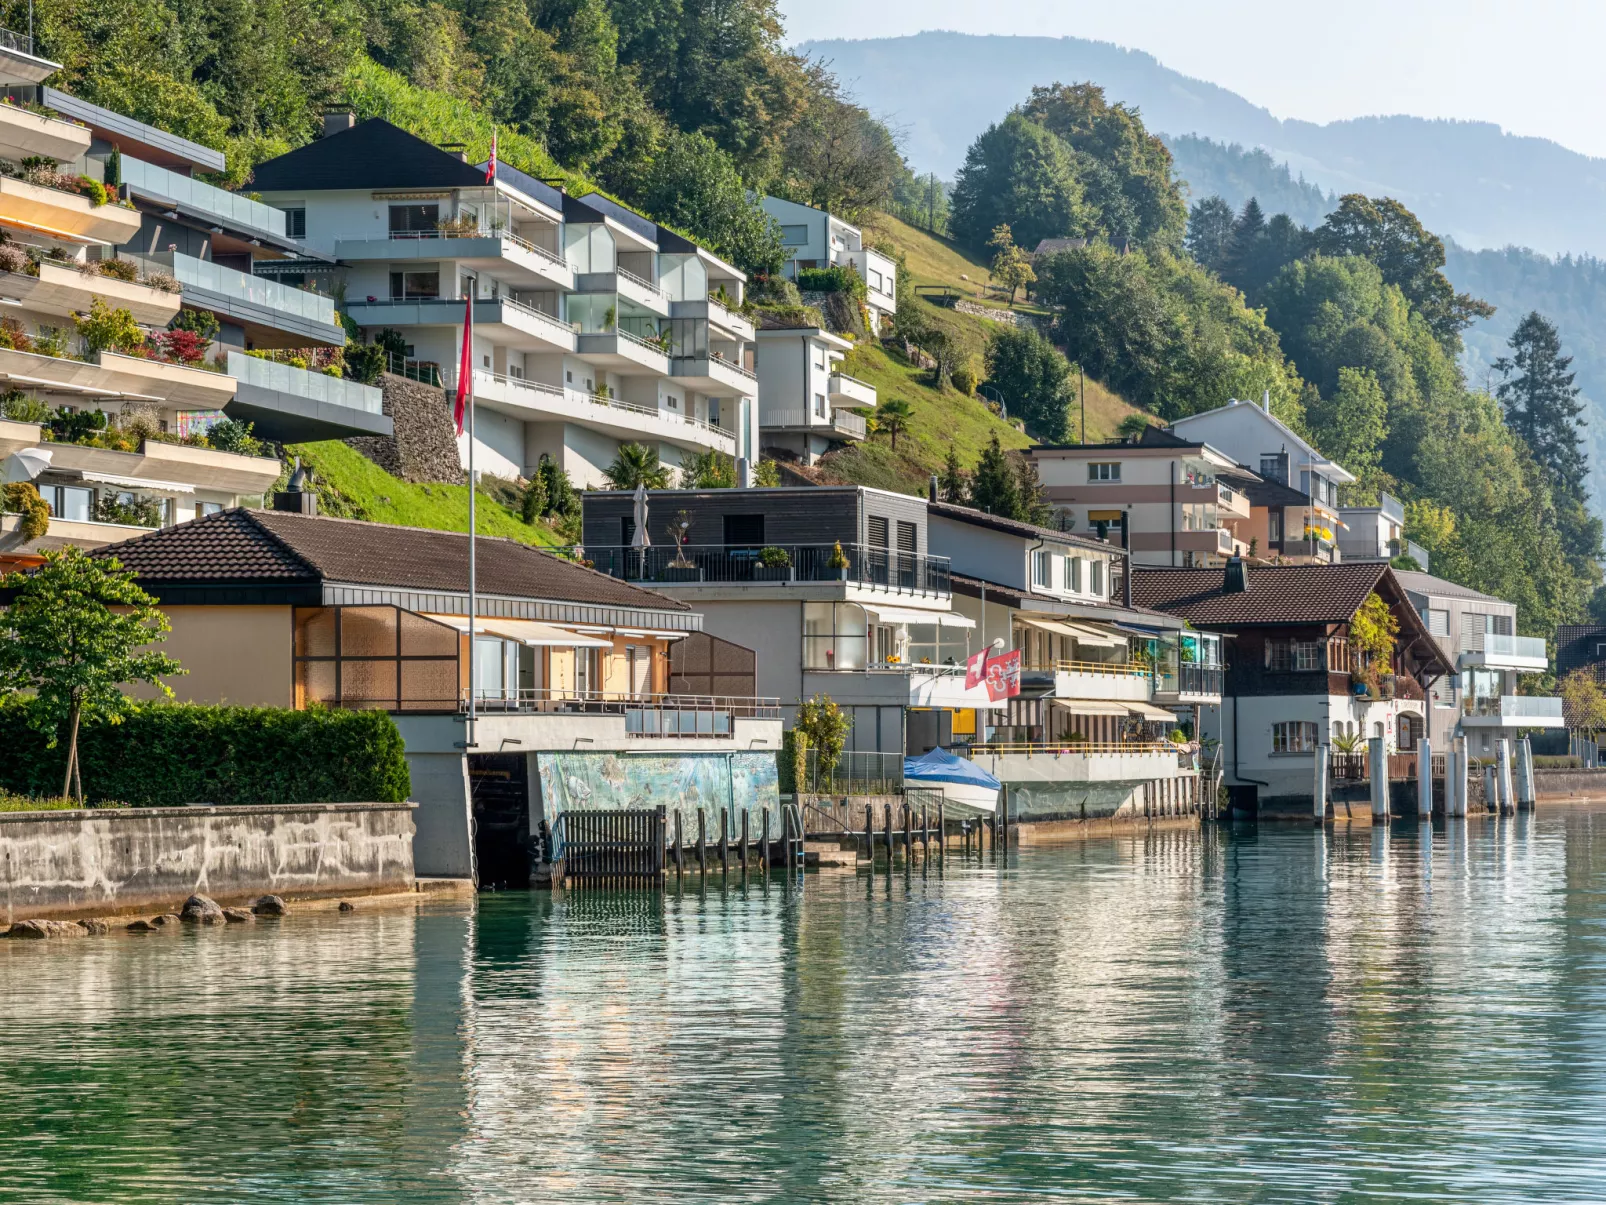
{"points": [[961, 798]]}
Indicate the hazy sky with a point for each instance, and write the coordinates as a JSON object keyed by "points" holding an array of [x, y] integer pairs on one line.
{"points": [[1533, 66]]}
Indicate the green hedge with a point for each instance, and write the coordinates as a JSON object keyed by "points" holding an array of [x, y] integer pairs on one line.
{"points": [[170, 754], [835, 279]]}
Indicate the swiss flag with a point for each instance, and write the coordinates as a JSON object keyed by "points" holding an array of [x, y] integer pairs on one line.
{"points": [[465, 364], [490, 168], [976, 670]]}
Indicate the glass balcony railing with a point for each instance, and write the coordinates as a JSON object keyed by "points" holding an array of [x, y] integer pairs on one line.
{"points": [[256, 290], [1497, 645], [198, 195], [298, 382]]}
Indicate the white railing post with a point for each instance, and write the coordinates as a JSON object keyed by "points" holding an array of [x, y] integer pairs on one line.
{"points": [[1380, 777], [1424, 780], [1319, 786]]}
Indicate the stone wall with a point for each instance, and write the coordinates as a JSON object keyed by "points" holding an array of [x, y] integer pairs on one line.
{"points": [[424, 447], [112, 860]]}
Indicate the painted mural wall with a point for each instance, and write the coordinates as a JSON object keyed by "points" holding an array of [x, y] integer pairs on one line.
{"points": [[703, 782]]}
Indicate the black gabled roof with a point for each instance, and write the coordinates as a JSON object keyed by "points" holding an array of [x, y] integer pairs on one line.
{"points": [[372, 154], [526, 184], [628, 218]]}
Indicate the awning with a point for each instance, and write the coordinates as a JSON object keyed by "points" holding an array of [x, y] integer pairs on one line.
{"points": [[1089, 707], [1049, 625], [1104, 516], [523, 631], [900, 615], [1095, 637], [1150, 712], [161, 487]]}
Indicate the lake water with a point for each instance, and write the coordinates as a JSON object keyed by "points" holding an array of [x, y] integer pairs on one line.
{"points": [[1227, 1015]]}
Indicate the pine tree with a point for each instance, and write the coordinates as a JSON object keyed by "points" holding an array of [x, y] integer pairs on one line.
{"points": [[1541, 401], [951, 485], [995, 488], [1210, 224]]}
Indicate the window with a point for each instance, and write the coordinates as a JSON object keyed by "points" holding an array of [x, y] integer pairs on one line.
{"points": [[877, 527], [414, 220], [1074, 576], [295, 222], [834, 636], [1095, 577], [1104, 471], [1043, 569], [1274, 527], [202, 509], [415, 285], [1438, 621], [587, 670], [1293, 656], [72, 502], [1293, 736], [819, 405], [795, 236], [1274, 467], [744, 531]]}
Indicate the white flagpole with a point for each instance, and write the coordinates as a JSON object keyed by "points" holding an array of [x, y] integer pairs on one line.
{"points": [[466, 365]]}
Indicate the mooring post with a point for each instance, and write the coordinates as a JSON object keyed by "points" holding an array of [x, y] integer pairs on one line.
{"points": [[724, 841], [1452, 759], [908, 833], [680, 847], [1503, 772], [1424, 780], [1319, 785], [702, 842], [744, 843], [942, 837], [1525, 776], [925, 831], [869, 834], [764, 840], [1380, 778], [886, 821]]}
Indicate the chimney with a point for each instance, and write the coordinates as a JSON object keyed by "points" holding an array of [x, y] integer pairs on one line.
{"points": [[296, 497], [456, 148], [931, 489], [1236, 578], [1265, 402], [335, 122]]}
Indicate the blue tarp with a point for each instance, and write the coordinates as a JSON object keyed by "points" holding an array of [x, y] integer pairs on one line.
{"points": [[941, 766]]}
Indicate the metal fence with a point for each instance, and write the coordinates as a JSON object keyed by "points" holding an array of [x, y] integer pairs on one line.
{"points": [[860, 563], [609, 849], [854, 774]]}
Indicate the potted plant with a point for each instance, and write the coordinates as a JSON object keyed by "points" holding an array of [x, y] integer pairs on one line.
{"points": [[774, 565], [838, 561], [682, 569]]}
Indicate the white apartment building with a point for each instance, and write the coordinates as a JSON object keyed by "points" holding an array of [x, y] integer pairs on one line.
{"points": [[1253, 437], [87, 196], [593, 326], [806, 402], [816, 239]]}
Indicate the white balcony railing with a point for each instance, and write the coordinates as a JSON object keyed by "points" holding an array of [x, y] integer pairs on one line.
{"points": [[641, 283], [298, 382], [198, 195], [1496, 644], [539, 393], [506, 236], [1515, 708]]}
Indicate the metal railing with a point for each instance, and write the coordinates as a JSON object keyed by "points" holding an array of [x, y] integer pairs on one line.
{"points": [[10, 39], [645, 715], [485, 375], [1123, 669], [866, 565], [844, 377], [1189, 679], [1068, 748], [719, 312], [843, 422], [318, 386], [541, 316], [482, 232], [638, 281], [854, 774], [426, 371], [1514, 707], [239, 286], [715, 359], [185, 190]]}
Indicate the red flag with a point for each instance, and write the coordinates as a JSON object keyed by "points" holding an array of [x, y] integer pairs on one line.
{"points": [[490, 168], [1003, 676], [976, 670], [465, 366]]}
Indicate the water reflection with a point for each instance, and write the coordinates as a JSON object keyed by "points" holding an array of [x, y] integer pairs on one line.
{"points": [[1236, 1014]]}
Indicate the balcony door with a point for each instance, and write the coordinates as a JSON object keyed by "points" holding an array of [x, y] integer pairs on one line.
{"points": [[415, 221]]}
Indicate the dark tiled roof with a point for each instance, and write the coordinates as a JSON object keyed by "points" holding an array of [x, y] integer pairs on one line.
{"points": [[1030, 531], [273, 546], [1277, 593], [372, 154], [628, 218], [1262, 491]]}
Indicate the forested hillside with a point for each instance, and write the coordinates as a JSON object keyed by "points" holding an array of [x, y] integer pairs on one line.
{"points": [[1466, 180], [1213, 169]]}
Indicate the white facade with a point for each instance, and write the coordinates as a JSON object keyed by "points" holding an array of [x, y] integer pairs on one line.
{"points": [[806, 403], [592, 326], [1255, 438], [816, 239]]}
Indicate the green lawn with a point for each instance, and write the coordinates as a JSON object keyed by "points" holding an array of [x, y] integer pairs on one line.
{"points": [[355, 487]]}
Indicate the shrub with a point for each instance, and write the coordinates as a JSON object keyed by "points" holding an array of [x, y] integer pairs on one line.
{"points": [[108, 329], [170, 754], [231, 435], [22, 498], [93, 189], [19, 407], [965, 379], [203, 322], [15, 336], [185, 347], [118, 269], [835, 279], [774, 558]]}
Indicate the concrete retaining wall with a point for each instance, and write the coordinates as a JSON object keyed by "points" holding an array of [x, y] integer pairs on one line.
{"points": [[1570, 784], [114, 860]]}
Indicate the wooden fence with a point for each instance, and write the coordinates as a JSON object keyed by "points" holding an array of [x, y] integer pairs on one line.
{"points": [[609, 849]]}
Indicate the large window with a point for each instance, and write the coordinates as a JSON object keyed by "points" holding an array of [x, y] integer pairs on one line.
{"points": [[794, 236], [1104, 471], [415, 285], [1293, 656], [414, 219], [1043, 569], [1095, 577], [1293, 736], [835, 636], [377, 657]]}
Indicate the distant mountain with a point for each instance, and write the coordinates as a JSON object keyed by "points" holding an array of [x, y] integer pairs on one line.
{"points": [[1235, 174], [1466, 180]]}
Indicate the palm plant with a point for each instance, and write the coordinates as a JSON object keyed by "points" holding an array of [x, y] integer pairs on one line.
{"points": [[636, 465], [893, 417]]}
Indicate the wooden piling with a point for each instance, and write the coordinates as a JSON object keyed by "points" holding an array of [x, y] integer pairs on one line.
{"points": [[942, 838], [724, 841], [887, 820], [702, 843], [869, 834], [908, 832], [764, 840], [744, 843]]}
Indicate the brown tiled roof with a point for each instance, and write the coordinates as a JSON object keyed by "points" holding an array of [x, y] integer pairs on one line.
{"points": [[1277, 593], [257, 546]]}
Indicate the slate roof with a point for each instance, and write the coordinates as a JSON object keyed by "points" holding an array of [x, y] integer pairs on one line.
{"points": [[263, 546], [1426, 583], [1277, 594], [1030, 531], [372, 154]]}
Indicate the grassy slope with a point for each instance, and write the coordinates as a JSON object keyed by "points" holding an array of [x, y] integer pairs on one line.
{"points": [[940, 418], [356, 487]]}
